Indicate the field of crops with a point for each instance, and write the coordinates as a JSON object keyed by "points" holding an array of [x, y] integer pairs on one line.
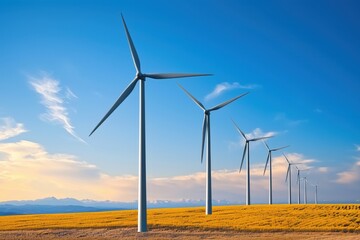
{"points": [[299, 218]]}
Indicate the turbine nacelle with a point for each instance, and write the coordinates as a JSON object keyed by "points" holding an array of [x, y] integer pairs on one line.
{"points": [[269, 153], [247, 142], [140, 76], [206, 125]]}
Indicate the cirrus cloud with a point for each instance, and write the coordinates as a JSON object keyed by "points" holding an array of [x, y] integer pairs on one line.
{"points": [[225, 86], [49, 89]]}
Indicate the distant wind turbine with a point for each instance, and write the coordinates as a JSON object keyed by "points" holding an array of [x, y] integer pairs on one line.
{"points": [[315, 186], [142, 219], [269, 160], [206, 130], [298, 180], [247, 148], [288, 176], [305, 191]]}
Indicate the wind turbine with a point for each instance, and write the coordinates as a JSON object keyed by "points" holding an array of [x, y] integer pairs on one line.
{"points": [[206, 130], [305, 192], [140, 77], [315, 186], [298, 180], [269, 160], [247, 148], [288, 176]]}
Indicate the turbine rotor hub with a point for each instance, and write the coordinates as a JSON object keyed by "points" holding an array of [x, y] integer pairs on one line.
{"points": [[139, 75]]}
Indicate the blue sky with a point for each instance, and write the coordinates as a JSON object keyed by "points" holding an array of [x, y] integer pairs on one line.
{"points": [[64, 63]]}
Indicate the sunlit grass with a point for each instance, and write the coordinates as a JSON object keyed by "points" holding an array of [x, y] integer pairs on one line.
{"points": [[327, 217]]}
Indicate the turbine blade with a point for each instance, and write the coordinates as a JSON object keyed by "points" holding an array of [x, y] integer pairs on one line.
{"points": [[267, 146], [298, 176], [243, 157], [241, 132], [286, 158], [193, 98], [276, 149], [134, 54], [259, 138], [227, 102], [287, 173], [122, 97], [267, 160], [174, 75], [204, 129]]}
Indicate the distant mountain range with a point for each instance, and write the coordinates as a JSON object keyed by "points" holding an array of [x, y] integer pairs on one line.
{"points": [[68, 205]]}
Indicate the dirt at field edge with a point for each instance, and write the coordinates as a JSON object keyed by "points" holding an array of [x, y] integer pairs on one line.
{"points": [[162, 234]]}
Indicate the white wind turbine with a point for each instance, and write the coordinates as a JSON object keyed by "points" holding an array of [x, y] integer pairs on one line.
{"points": [[206, 133], [316, 194], [305, 191], [288, 176], [140, 77], [247, 149], [298, 180], [315, 186], [269, 160]]}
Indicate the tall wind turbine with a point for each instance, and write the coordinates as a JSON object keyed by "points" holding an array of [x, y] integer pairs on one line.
{"points": [[298, 180], [288, 176], [269, 160], [206, 133], [142, 218], [247, 148]]}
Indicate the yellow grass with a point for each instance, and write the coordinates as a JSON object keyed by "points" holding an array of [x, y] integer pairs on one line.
{"points": [[338, 217]]}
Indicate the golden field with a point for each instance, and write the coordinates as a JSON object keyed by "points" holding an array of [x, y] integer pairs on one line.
{"points": [[255, 218]]}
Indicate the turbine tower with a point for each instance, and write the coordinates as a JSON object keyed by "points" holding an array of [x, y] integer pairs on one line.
{"points": [[305, 191], [206, 130], [298, 181], [247, 148], [140, 77], [269, 160], [288, 176]]}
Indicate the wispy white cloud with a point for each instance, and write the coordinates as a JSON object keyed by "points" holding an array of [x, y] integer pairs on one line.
{"points": [[70, 94], [50, 92], [300, 159], [257, 132], [225, 86], [323, 169], [349, 176], [9, 128]]}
